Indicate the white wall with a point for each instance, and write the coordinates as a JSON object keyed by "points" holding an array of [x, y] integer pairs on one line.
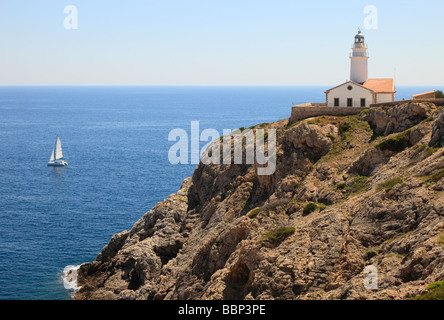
{"points": [[343, 93], [384, 97], [359, 70]]}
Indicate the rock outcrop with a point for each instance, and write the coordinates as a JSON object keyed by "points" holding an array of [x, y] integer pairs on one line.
{"points": [[437, 139], [387, 120], [339, 201]]}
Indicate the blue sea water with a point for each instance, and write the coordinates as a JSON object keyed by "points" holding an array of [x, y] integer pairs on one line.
{"points": [[116, 142]]}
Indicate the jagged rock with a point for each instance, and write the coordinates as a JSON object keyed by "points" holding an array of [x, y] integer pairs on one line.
{"points": [[131, 259], [230, 234], [388, 120], [312, 139], [368, 162], [437, 139]]}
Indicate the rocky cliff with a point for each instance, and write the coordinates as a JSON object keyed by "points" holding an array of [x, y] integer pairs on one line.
{"points": [[348, 192]]}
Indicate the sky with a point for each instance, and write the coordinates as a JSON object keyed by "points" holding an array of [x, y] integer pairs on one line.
{"points": [[217, 42]]}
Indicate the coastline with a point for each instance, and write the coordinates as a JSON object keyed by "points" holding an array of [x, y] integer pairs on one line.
{"points": [[70, 279], [307, 232]]}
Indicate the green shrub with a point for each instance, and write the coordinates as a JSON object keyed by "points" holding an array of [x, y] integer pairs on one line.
{"points": [[360, 184], [332, 137], [388, 185], [253, 213], [430, 151], [310, 122], [278, 235], [435, 291], [436, 177], [441, 238], [360, 179], [371, 253], [396, 144], [435, 285], [341, 186], [309, 208], [345, 126]]}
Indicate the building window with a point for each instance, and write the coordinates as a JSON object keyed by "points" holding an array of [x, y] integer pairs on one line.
{"points": [[350, 102], [336, 102], [363, 102]]}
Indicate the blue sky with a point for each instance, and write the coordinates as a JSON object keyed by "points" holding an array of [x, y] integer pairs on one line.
{"points": [[224, 42]]}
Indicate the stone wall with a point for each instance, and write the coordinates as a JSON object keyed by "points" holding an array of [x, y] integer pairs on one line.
{"points": [[425, 95], [301, 112], [438, 102]]}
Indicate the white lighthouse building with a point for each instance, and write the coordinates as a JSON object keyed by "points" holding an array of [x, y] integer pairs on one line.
{"points": [[360, 91], [359, 60]]}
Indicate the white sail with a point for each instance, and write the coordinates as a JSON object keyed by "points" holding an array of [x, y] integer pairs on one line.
{"points": [[57, 155], [58, 149], [52, 155]]}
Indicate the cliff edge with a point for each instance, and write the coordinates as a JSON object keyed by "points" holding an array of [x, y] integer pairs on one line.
{"points": [[348, 192]]}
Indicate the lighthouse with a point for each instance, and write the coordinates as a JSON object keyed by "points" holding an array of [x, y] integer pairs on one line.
{"points": [[359, 60], [360, 91]]}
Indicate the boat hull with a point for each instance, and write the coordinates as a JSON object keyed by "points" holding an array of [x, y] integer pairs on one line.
{"points": [[57, 164]]}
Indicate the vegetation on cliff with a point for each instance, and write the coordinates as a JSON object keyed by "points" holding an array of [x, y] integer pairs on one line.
{"points": [[347, 193]]}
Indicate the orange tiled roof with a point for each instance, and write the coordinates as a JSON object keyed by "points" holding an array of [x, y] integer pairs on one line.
{"points": [[380, 85], [424, 94]]}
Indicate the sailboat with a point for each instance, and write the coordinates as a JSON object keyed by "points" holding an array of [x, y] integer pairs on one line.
{"points": [[57, 155]]}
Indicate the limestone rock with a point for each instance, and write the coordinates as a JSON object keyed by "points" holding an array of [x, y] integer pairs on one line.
{"points": [[369, 160], [437, 139], [230, 234], [387, 120], [312, 139]]}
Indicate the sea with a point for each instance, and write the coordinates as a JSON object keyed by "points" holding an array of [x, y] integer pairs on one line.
{"points": [[115, 140]]}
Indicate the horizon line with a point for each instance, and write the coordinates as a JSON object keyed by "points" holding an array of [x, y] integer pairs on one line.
{"points": [[192, 85]]}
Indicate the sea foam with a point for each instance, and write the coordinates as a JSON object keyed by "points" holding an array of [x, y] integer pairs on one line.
{"points": [[69, 277]]}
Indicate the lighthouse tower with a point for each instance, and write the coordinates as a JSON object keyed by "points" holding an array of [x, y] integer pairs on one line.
{"points": [[360, 92], [359, 60]]}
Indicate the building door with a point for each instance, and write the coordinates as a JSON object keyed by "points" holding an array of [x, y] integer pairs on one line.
{"points": [[363, 102]]}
